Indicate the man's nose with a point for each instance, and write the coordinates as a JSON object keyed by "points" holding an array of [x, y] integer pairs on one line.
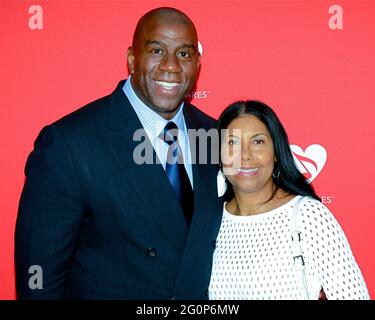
{"points": [[170, 63]]}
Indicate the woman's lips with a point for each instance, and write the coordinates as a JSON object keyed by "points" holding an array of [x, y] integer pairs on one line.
{"points": [[247, 172]]}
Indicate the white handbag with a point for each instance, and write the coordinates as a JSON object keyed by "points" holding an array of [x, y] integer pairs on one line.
{"points": [[298, 260]]}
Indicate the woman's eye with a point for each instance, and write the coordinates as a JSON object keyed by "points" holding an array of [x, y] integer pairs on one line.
{"points": [[232, 142], [259, 141]]}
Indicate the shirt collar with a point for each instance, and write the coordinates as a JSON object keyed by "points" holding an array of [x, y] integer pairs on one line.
{"points": [[152, 122]]}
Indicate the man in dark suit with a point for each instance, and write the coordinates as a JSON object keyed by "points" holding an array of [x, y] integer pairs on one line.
{"points": [[94, 222]]}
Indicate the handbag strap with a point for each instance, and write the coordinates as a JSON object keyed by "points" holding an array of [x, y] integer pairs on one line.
{"points": [[299, 261]]}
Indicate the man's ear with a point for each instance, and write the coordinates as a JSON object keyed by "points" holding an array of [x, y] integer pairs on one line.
{"points": [[131, 59], [199, 61]]}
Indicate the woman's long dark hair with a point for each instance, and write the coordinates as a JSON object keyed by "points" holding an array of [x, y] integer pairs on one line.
{"points": [[286, 175]]}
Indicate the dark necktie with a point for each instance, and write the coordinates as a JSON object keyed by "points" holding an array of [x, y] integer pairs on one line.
{"points": [[176, 172]]}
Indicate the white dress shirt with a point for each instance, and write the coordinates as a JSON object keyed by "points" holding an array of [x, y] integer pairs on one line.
{"points": [[154, 125]]}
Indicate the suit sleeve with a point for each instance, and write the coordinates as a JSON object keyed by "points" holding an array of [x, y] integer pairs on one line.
{"points": [[49, 219]]}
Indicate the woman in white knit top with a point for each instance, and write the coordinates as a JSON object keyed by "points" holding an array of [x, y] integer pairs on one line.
{"points": [[255, 256]]}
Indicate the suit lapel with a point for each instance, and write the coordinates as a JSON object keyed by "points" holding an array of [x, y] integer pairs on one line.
{"points": [[149, 180], [200, 177], [207, 207]]}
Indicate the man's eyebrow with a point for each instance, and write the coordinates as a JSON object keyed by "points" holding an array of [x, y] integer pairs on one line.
{"points": [[190, 46], [160, 43]]}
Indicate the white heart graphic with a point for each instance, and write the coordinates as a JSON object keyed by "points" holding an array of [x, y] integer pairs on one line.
{"points": [[311, 161]]}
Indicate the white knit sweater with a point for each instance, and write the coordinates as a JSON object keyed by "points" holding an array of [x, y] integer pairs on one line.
{"points": [[253, 258]]}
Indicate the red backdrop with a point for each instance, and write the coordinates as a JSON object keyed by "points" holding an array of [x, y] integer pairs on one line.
{"points": [[312, 61]]}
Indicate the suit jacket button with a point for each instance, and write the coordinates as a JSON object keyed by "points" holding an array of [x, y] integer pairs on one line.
{"points": [[151, 252]]}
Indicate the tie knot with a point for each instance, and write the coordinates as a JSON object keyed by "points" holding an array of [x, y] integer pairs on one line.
{"points": [[170, 133]]}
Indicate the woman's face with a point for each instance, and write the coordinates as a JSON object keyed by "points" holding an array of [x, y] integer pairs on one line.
{"points": [[247, 155]]}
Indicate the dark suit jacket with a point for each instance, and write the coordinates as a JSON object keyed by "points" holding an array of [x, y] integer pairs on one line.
{"points": [[101, 226]]}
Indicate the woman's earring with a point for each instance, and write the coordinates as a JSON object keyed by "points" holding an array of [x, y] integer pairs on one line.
{"points": [[221, 184], [276, 173]]}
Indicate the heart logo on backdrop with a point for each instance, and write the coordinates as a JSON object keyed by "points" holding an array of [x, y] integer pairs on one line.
{"points": [[311, 161]]}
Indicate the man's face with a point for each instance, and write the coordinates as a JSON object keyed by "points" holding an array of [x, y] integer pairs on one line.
{"points": [[164, 64]]}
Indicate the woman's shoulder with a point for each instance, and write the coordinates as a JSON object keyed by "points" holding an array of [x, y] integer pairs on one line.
{"points": [[314, 206], [316, 215]]}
